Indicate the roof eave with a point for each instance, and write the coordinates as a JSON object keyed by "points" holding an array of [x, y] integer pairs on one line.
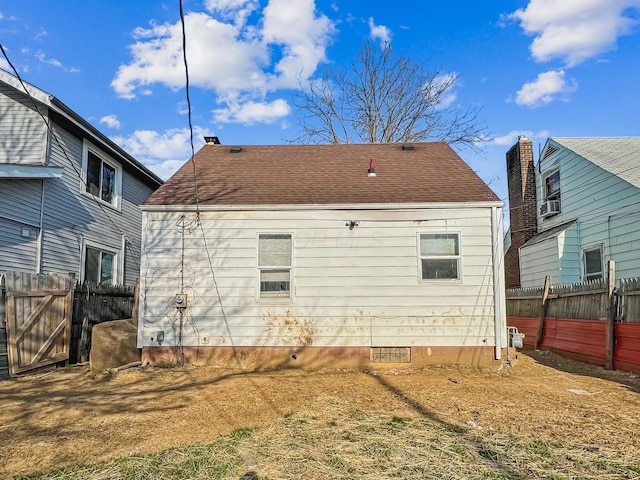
{"points": [[333, 206]]}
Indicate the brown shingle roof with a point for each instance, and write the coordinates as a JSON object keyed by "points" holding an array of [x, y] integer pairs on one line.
{"points": [[323, 174]]}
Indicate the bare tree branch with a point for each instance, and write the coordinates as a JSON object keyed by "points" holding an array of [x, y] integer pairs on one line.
{"points": [[382, 97]]}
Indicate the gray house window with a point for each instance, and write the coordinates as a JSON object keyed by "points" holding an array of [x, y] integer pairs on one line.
{"points": [[439, 256], [99, 266], [103, 178], [593, 263], [275, 264]]}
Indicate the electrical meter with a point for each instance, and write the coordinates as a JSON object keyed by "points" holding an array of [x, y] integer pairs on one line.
{"points": [[181, 300]]}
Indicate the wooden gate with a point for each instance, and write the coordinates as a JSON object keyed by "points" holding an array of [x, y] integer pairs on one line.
{"points": [[38, 317]]}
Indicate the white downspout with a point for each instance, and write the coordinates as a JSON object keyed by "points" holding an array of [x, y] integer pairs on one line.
{"points": [[498, 280]]}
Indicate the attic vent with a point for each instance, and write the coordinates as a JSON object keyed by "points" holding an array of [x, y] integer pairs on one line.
{"points": [[236, 149], [407, 146], [550, 151]]}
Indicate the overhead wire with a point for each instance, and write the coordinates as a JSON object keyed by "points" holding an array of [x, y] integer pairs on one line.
{"points": [[54, 135]]}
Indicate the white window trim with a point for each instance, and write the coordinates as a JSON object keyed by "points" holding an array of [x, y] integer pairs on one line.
{"points": [[117, 260], [546, 175], [590, 248], [88, 147], [420, 257], [275, 300]]}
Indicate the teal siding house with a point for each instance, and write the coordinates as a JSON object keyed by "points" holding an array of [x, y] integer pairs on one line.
{"points": [[587, 208]]}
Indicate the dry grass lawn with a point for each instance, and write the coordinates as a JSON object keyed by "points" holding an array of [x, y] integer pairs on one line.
{"points": [[542, 417]]}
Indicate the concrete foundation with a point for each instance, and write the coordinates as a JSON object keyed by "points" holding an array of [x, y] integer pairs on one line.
{"points": [[312, 358]]}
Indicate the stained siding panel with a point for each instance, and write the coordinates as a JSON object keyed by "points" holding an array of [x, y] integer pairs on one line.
{"points": [[22, 130], [355, 287]]}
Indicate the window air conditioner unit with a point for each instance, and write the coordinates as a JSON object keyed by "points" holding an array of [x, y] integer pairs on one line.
{"points": [[550, 208]]}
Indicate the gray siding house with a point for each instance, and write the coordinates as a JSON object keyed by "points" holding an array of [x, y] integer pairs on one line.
{"points": [[585, 211], [69, 196]]}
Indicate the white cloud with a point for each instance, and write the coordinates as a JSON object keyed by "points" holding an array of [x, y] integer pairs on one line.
{"points": [[575, 30], [302, 37], [162, 153], [252, 112], [240, 62], [511, 138], [4, 64], [54, 62], [236, 10], [110, 121], [545, 88], [380, 32], [450, 95]]}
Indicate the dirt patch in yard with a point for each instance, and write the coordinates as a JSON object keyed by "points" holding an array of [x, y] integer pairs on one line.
{"points": [[67, 417]]}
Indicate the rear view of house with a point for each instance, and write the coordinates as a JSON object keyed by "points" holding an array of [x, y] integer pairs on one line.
{"points": [[323, 255], [69, 196]]}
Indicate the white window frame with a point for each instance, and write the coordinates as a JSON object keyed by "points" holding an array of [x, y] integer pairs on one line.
{"points": [[457, 257], [274, 298], [592, 248], [117, 191], [554, 195], [117, 274]]}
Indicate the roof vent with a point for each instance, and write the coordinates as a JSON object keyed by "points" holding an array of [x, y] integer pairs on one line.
{"points": [[212, 140], [407, 146], [372, 168], [236, 149]]}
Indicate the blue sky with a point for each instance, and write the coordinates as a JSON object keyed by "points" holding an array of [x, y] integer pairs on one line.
{"points": [[536, 67]]}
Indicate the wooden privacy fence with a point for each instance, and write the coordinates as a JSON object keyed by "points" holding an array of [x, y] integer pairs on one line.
{"points": [[593, 321], [46, 320], [94, 304], [38, 320]]}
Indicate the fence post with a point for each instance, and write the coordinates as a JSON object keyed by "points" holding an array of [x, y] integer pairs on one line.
{"points": [[611, 314], [543, 311]]}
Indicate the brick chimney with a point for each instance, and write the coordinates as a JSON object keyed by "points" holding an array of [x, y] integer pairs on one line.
{"points": [[522, 205]]}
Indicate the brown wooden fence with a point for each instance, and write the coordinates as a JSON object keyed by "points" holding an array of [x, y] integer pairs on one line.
{"points": [[590, 321], [38, 320], [94, 304], [29, 299]]}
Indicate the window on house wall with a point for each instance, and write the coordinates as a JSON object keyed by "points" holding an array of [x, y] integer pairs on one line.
{"points": [[552, 186], [439, 256], [99, 266], [593, 264], [103, 177], [551, 198], [275, 264]]}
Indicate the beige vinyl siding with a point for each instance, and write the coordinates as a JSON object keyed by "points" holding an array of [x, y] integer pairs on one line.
{"points": [[357, 287], [23, 131]]}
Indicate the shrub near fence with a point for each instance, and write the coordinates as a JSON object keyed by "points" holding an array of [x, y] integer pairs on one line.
{"points": [[575, 320]]}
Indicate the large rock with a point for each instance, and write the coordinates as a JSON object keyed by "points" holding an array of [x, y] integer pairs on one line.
{"points": [[113, 344]]}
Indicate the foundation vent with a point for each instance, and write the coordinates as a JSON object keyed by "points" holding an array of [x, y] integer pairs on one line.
{"points": [[390, 355]]}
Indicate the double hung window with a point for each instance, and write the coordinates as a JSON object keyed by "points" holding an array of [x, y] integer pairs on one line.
{"points": [[593, 263], [102, 177], [99, 266], [275, 265], [440, 256]]}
